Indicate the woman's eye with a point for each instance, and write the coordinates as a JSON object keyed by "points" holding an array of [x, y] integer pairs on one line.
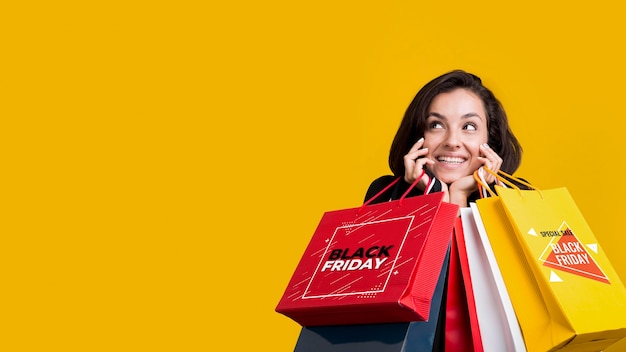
{"points": [[470, 126], [435, 125]]}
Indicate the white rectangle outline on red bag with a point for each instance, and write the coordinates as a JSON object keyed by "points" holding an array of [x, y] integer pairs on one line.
{"points": [[391, 270]]}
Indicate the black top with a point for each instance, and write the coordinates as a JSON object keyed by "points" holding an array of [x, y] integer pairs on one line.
{"points": [[399, 188]]}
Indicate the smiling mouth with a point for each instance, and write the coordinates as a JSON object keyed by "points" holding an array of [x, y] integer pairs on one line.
{"points": [[450, 160]]}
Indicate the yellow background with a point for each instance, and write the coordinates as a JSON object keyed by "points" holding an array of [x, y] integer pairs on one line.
{"points": [[165, 163]]}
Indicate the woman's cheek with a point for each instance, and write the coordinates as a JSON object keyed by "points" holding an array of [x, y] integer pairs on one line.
{"points": [[475, 162]]}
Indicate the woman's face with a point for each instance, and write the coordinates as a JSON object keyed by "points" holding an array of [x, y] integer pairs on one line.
{"points": [[455, 128]]}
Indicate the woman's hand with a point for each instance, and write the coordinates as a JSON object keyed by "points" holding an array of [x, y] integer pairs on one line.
{"points": [[490, 160], [461, 189], [414, 162]]}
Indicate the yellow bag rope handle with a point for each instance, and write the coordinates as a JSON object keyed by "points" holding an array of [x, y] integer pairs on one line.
{"points": [[482, 185], [500, 175]]}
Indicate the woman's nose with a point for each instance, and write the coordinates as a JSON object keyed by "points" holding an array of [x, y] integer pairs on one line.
{"points": [[452, 140]]}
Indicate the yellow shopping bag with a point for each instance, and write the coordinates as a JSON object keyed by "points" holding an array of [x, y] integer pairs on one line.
{"points": [[565, 292]]}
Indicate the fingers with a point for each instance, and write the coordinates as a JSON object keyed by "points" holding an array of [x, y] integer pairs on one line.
{"points": [[491, 160], [413, 166], [414, 155], [415, 160]]}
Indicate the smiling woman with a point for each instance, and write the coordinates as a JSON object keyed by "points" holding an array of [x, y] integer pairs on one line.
{"points": [[454, 126]]}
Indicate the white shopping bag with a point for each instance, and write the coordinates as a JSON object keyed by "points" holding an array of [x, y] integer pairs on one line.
{"points": [[499, 328]]}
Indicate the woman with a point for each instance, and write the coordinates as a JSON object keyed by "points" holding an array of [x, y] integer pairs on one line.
{"points": [[453, 126]]}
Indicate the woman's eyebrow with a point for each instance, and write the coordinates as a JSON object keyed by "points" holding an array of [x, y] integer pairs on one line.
{"points": [[471, 114], [437, 115], [466, 116]]}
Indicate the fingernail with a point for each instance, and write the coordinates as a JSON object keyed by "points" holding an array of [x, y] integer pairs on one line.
{"points": [[486, 145], [421, 139]]}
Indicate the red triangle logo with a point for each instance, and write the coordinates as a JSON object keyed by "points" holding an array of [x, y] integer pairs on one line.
{"points": [[567, 253]]}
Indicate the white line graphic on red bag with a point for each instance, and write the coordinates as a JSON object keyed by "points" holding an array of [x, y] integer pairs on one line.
{"points": [[567, 253], [370, 259]]}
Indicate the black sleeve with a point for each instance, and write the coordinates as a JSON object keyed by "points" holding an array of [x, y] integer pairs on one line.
{"points": [[398, 189], [376, 186], [434, 183]]}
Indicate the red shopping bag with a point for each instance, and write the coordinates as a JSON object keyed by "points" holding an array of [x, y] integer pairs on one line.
{"points": [[462, 331], [373, 264], [423, 336]]}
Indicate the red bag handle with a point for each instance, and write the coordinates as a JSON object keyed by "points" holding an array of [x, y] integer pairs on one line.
{"points": [[411, 187], [391, 185]]}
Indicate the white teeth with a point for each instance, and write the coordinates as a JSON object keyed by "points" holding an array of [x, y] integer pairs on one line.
{"points": [[447, 159]]}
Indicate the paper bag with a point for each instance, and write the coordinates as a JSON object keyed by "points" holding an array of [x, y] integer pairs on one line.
{"points": [[373, 264], [424, 336], [500, 328], [462, 330], [566, 294]]}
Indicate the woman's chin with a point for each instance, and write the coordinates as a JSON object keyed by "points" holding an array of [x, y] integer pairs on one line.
{"points": [[449, 178]]}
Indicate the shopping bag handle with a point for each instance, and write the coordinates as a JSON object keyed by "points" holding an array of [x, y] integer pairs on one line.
{"points": [[482, 185], [391, 185], [502, 177], [412, 186]]}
